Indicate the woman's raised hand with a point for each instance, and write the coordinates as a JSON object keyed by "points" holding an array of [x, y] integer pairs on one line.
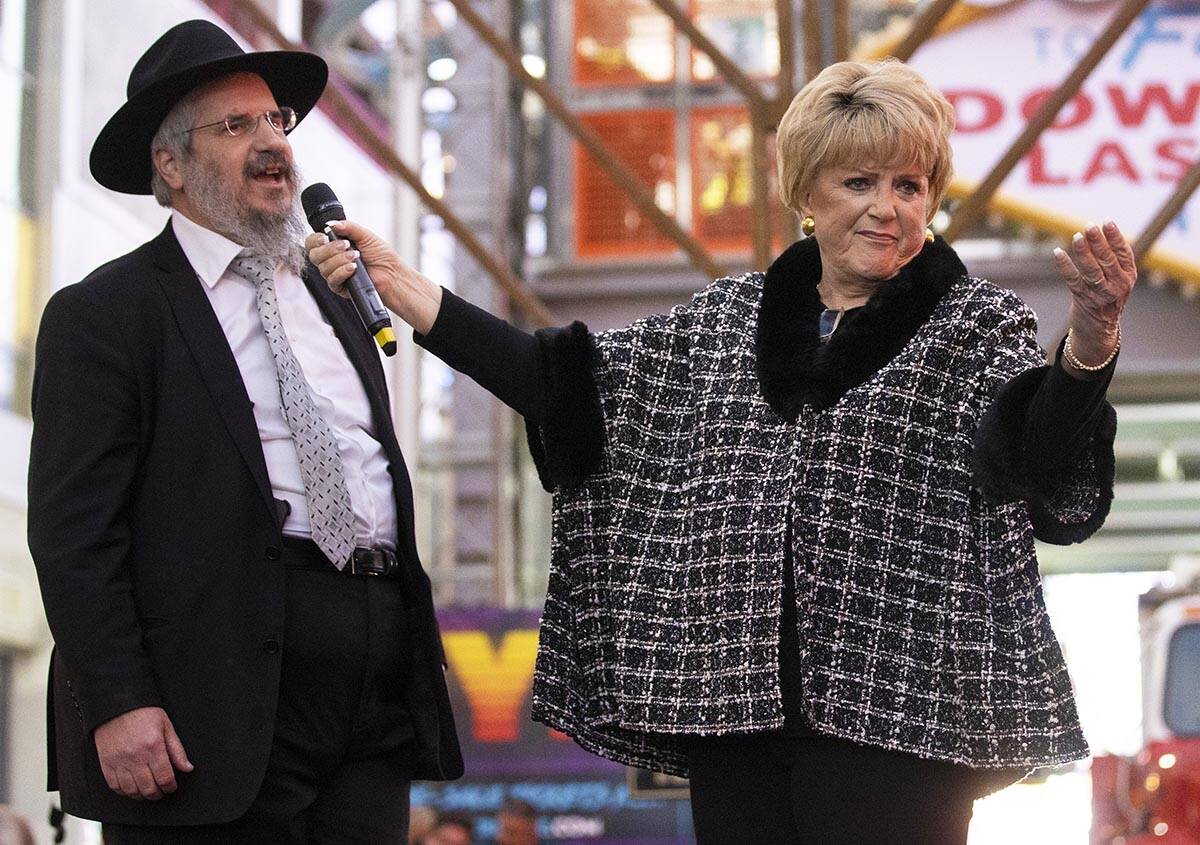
{"points": [[413, 297], [1100, 273]]}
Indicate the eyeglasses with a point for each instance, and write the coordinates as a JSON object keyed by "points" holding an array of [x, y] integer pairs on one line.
{"points": [[282, 119]]}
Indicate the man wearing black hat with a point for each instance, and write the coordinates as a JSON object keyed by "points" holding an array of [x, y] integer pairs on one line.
{"points": [[221, 519]]}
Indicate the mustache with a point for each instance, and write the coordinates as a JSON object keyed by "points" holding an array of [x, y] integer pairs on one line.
{"points": [[268, 160]]}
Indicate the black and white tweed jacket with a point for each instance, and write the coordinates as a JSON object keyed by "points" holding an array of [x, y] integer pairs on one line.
{"points": [[682, 446]]}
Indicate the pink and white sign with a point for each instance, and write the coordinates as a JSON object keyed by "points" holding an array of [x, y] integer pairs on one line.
{"points": [[1118, 149]]}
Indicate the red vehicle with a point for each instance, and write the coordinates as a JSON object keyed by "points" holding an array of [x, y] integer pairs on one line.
{"points": [[1154, 798]]}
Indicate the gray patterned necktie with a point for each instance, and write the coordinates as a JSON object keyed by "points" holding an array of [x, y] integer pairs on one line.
{"points": [[329, 511]]}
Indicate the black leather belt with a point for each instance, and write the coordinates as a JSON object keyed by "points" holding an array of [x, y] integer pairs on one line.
{"points": [[300, 553]]}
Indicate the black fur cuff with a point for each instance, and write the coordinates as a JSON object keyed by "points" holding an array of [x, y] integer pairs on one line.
{"points": [[1047, 526], [1001, 476], [568, 445]]}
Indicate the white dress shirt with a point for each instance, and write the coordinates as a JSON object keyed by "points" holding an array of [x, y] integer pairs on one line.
{"points": [[335, 384]]}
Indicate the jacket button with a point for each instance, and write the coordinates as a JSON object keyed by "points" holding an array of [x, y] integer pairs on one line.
{"points": [[270, 647], [273, 553]]}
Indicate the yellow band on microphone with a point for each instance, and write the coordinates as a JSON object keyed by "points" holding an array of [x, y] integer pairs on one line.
{"points": [[386, 338]]}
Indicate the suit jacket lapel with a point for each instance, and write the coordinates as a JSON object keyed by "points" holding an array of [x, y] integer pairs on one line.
{"points": [[202, 332]]}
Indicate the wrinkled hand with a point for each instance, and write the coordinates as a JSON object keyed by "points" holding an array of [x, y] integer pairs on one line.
{"points": [[403, 290], [336, 260], [1100, 279], [139, 753]]}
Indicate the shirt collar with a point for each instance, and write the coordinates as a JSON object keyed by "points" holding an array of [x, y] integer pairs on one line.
{"points": [[209, 252]]}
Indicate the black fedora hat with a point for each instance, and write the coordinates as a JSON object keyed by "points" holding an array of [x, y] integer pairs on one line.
{"points": [[186, 56]]}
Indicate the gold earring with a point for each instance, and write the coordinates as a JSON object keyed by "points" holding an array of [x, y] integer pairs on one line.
{"points": [[808, 226], [928, 235]]}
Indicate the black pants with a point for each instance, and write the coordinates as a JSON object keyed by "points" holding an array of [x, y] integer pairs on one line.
{"points": [[775, 789], [342, 755]]}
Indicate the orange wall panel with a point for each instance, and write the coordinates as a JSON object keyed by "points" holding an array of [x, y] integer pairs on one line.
{"points": [[606, 221]]}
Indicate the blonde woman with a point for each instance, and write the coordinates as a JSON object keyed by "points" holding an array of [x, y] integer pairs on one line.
{"points": [[793, 547]]}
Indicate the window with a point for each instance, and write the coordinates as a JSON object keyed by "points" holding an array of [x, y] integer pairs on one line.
{"points": [[1181, 700], [607, 221], [722, 196], [622, 42], [746, 31], [683, 131]]}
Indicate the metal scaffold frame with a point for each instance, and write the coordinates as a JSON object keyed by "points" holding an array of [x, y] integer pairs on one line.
{"points": [[765, 111]]}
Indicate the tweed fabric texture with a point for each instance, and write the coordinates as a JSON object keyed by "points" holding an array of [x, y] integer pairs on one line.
{"points": [[330, 513], [922, 625]]}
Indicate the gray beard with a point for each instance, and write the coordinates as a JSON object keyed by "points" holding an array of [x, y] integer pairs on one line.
{"points": [[277, 236]]}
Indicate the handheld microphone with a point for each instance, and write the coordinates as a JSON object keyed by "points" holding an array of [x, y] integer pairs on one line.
{"points": [[321, 206]]}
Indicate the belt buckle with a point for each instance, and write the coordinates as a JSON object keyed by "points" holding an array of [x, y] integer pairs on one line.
{"points": [[375, 562]]}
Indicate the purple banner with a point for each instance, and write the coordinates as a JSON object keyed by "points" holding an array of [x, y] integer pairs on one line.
{"points": [[579, 797]]}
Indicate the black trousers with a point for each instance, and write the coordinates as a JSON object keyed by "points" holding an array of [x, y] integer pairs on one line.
{"points": [[778, 789], [342, 754]]}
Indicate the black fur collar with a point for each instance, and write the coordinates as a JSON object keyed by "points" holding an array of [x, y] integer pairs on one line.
{"points": [[795, 369]]}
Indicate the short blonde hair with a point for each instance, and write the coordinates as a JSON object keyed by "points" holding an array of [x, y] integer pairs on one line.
{"points": [[879, 113]]}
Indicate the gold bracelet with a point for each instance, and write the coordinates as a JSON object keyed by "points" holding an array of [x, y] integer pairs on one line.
{"points": [[1069, 354]]}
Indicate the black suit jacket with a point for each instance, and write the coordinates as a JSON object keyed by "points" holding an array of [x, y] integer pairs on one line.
{"points": [[157, 540]]}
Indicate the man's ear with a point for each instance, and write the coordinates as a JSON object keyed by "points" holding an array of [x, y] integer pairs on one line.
{"points": [[168, 168]]}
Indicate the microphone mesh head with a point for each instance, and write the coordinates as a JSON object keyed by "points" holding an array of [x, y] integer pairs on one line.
{"points": [[321, 205]]}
